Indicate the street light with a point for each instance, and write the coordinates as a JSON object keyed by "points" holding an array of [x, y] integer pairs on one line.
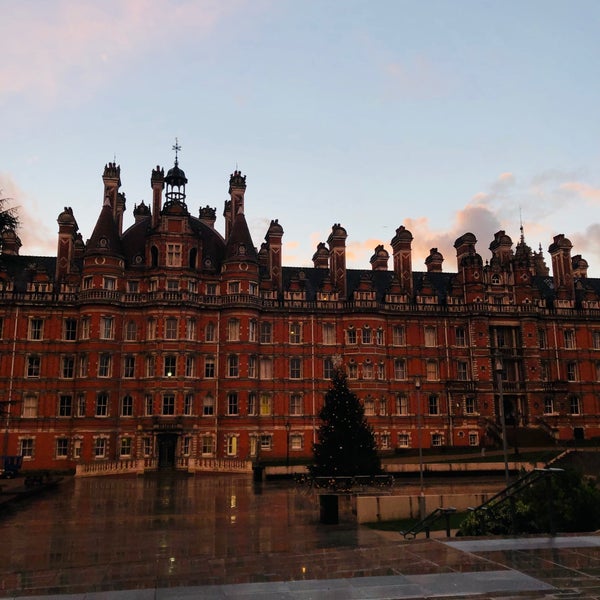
{"points": [[498, 367], [287, 444], [420, 442]]}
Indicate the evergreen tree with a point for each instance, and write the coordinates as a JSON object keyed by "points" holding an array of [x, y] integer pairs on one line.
{"points": [[346, 444], [9, 219]]}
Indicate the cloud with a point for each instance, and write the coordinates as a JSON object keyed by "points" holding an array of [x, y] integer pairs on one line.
{"points": [[582, 190], [35, 234], [55, 49], [419, 78]]}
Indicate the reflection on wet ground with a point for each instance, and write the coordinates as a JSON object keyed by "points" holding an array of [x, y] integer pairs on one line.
{"points": [[163, 531]]}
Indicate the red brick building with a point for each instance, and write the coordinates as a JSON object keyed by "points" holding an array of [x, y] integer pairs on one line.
{"points": [[170, 342]]}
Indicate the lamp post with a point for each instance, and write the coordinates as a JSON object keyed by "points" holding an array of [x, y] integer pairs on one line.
{"points": [[287, 443], [498, 367], [420, 443]]}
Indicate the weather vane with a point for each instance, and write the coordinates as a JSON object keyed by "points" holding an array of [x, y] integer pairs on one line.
{"points": [[177, 148]]}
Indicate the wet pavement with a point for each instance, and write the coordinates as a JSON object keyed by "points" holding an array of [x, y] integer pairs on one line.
{"points": [[224, 537]]}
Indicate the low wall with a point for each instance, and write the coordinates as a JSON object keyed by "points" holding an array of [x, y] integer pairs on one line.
{"points": [[370, 509]]}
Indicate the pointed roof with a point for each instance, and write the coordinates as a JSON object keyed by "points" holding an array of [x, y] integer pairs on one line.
{"points": [[239, 243], [105, 238]]}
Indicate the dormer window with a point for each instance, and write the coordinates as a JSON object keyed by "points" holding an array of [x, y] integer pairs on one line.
{"points": [[495, 279], [173, 255]]}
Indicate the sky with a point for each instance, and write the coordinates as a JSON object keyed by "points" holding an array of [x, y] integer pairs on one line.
{"points": [[445, 116]]}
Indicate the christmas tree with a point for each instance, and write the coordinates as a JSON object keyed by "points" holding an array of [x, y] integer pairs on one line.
{"points": [[346, 444]]}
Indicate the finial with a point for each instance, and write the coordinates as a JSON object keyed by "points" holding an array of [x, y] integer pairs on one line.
{"points": [[177, 148]]}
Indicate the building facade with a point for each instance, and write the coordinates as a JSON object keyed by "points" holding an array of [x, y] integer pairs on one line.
{"points": [[172, 342]]}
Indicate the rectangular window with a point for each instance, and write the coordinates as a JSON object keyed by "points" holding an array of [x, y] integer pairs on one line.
{"points": [[266, 332], [252, 403], [85, 328], [473, 439], [367, 336], [173, 255], [352, 370], [102, 404], [295, 368], [30, 406], [401, 404], [569, 337], [172, 285], [99, 447], [107, 328], [192, 286], [186, 446], [430, 337], [544, 370], [171, 329], [150, 366], [233, 330], [295, 333], [384, 441], [296, 442], [462, 370], [209, 333], [596, 340], [127, 406], [208, 406], [70, 330], [168, 404], [188, 405], [62, 447], [190, 329], [147, 446], [548, 405], [190, 366], [233, 287], [148, 405], [460, 336], [399, 369], [88, 283], [68, 367], [131, 331], [369, 405], [231, 445], [432, 370], [36, 329], [133, 287], [266, 367], [65, 405], [151, 329], [398, 335], [109, 283], [104, 365], [81, 405], [232, 404], [252, 367], [211, 289], [572, 371], [266, 442], [379, 339], [170, 365], [434, 404], [129, 367], [367, 370], [126, 445], [542, 338], [233, 366], [208, 445], [574, 405], [33, 366], [328, 334], [437, 439], [266, 403], [403, 440], [351, 336], [328, 368], [252, 329], [26, 447], [296, 405], [470, 405], [209, 367]]}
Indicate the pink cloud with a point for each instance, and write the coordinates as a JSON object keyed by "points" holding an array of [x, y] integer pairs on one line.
{"points": [[63, 46], [583, 190]]}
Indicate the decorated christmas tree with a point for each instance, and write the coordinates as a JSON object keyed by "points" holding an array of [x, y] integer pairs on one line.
{"points": [[346, 444]]}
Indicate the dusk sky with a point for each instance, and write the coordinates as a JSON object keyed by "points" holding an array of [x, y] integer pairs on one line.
{"points": [[443, 116]]}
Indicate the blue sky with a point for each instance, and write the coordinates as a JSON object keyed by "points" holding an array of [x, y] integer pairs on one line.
{"points": [[442, 116]]}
